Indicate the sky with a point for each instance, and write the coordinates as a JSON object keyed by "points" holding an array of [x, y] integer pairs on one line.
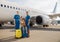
{"points": [[44, 5]]}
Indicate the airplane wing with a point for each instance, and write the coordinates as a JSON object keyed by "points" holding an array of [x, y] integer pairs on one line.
{"points": [[54, 15]]}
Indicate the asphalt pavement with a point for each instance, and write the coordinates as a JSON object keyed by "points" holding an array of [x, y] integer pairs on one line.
{"points": [[7, 34]]}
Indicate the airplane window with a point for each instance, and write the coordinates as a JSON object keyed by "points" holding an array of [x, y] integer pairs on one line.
{"points": [[10, 6], [1, 5], [25, 9], [22, 9], [13, 7], [7, 6], [16, 8], [4, 5], [19, 8]]}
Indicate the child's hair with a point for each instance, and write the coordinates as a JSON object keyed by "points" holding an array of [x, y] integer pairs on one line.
{"points": [[23, 18], [23, 22]]}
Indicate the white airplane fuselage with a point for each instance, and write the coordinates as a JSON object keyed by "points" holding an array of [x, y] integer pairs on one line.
{"points": [[8, 10]]}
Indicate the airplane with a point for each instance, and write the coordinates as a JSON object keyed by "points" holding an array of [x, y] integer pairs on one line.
{"points": [[8, 10]]}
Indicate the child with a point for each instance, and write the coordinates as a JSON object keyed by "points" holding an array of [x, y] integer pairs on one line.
{"points": [[23, 27]]}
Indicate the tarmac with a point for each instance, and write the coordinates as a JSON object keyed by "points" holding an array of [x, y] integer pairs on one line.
{"points": [[47, 34]]}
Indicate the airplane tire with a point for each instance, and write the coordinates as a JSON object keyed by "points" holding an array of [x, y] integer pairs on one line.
{"points": [[31, 24], [12, 23], [45, 25], [0, 25]]}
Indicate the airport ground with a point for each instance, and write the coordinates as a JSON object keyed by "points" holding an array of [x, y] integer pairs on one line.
{"points": [[37, 34]]}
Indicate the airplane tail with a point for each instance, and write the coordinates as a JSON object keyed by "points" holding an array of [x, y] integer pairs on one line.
{"points": [[54, 10]]}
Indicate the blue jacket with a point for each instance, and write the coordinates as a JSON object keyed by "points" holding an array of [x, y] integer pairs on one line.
{"points": [[27, 19], [17, 18]]}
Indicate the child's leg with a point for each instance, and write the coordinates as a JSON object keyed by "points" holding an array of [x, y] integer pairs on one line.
{"points": [[22, 31], [26, 29]]}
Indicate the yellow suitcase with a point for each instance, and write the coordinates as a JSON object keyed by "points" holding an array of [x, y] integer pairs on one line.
{"points": [[18, 33]]}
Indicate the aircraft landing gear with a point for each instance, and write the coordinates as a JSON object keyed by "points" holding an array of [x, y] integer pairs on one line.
{"points": [[45, 25], [0, 25], [12, 22]]}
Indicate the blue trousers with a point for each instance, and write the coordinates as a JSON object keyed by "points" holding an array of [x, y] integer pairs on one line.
{"points": [[28, 26], [17, 26], [24, 31]]}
